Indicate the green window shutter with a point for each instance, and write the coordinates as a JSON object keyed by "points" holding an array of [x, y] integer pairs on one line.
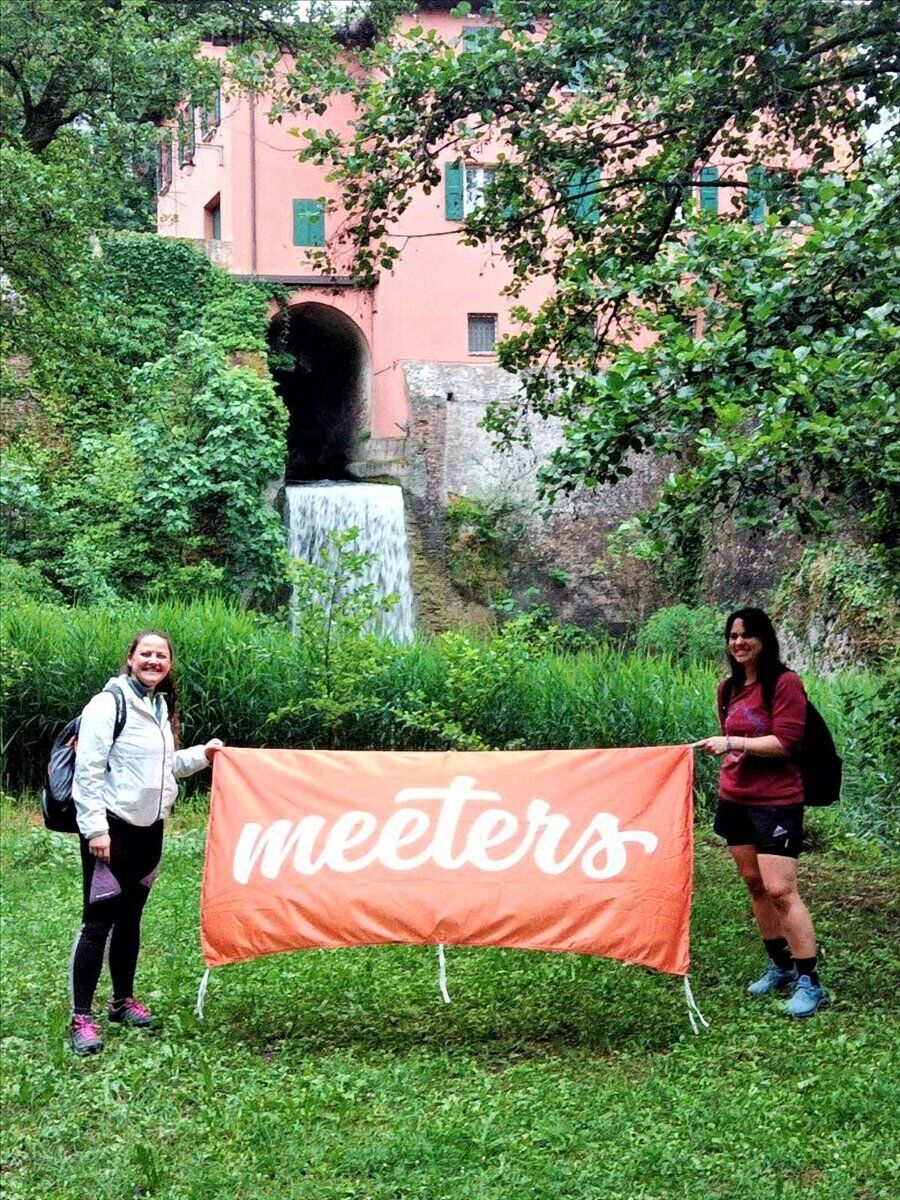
{"points": [[584, 203], [164, 164], [782, 195], [709, 196], [211, 116], [474, 36], [453, 191], [577, 78], [756, 195], [186, 136], [309, 223], [191, 132]]}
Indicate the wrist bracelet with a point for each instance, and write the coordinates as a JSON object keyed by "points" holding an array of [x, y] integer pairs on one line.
{"points": [[727, 744]]}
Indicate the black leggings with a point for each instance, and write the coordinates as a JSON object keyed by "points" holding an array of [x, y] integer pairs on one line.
{"points": [[114, 897]]}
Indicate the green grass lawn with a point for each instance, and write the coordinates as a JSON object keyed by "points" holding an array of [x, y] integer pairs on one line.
{"points": [[341, 1075]]}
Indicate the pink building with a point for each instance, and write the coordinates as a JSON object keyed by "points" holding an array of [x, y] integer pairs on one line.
{"points": [[239, 186], [398, 374]]}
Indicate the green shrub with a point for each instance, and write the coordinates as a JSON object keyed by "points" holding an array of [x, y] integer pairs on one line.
{"points": [[687, 634], [142, 460], [18, 583], [477, 532]]}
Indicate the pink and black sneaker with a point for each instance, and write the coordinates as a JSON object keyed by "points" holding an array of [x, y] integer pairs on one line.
{"points": [[130, 1012], [84, 1035]]}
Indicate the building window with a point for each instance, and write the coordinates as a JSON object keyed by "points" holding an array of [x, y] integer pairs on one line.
{"points": [[475, 36], [476, 180], [756, 195], [773, 191], [212, 220], [482, 333], [464, 189], [309, 222], [709, 189], [583, 197], [163, 165], [211, 116], [577, 81], [187, 137]]}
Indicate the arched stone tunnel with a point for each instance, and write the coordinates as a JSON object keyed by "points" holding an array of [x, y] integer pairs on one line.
{"points": [[322, 367]]}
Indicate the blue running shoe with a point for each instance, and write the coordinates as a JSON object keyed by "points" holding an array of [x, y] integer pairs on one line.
{"points": [[807, 999], [773, 979]]}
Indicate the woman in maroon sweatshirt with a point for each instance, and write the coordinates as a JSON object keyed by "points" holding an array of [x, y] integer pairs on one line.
{"points": [[762, 713]]}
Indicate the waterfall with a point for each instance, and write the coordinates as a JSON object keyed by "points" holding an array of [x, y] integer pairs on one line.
{"points": [[376, 509]]}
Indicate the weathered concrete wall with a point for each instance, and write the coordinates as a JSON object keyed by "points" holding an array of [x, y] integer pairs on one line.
{"points": [[448, 454]]}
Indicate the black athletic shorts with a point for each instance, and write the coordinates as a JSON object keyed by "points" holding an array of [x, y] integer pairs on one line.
{"points": [[771, 828]]}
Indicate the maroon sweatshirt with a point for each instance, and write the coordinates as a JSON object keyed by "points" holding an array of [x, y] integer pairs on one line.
{"points": [[752, 778]]}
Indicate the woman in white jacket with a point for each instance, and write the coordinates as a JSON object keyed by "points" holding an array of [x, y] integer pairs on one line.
{"points": [[124, 788]]}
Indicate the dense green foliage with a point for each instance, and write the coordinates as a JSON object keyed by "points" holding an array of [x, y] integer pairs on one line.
{"points": [[778, 409], [247, 679], [138, 462], [341, 1075], [137, 455], [686, 634], [479, 531]]}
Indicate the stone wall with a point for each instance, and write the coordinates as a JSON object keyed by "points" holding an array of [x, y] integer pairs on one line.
{"points": [[562, 552], [448, 455]]}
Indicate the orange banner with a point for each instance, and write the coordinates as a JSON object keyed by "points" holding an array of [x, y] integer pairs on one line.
{"points": [[588, 851]]}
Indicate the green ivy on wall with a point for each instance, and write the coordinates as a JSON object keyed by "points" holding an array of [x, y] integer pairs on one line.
{"points": [[139, 463]]}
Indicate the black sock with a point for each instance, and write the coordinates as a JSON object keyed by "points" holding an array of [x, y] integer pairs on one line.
{"points": [[807, 966], [777, 949]]}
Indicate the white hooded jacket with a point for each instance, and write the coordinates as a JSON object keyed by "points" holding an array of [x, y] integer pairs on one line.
{"points": [[143, 765]]}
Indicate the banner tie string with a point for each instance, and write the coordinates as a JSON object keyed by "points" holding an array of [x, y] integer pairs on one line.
{"points": [[442, 972], [201, 994], [692, 1007]]}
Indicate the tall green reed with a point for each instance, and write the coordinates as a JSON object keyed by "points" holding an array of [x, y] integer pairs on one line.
{"points": [[244, 677]]}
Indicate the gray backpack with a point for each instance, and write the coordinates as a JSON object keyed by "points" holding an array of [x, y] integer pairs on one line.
{"points": [[57, 803]]}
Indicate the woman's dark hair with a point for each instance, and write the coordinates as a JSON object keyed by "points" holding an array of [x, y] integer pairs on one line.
{"points": [[768, 666], [169, 686]]}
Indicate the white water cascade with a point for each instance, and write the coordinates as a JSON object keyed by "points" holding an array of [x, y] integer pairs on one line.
{"points": [[315, 510]]}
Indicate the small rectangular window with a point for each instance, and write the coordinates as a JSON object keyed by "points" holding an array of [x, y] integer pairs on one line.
{"points": [[482, 333], [475, 36], [709, 189], [309, 222], [163, 165], [577, 81], [211, 116], [583, 196], [476, 180], [187, 138], [212, 220], [756, 194]]}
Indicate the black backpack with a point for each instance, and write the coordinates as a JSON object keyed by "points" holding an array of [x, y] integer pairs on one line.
{"points": [[821, 767], [57, 804]]}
